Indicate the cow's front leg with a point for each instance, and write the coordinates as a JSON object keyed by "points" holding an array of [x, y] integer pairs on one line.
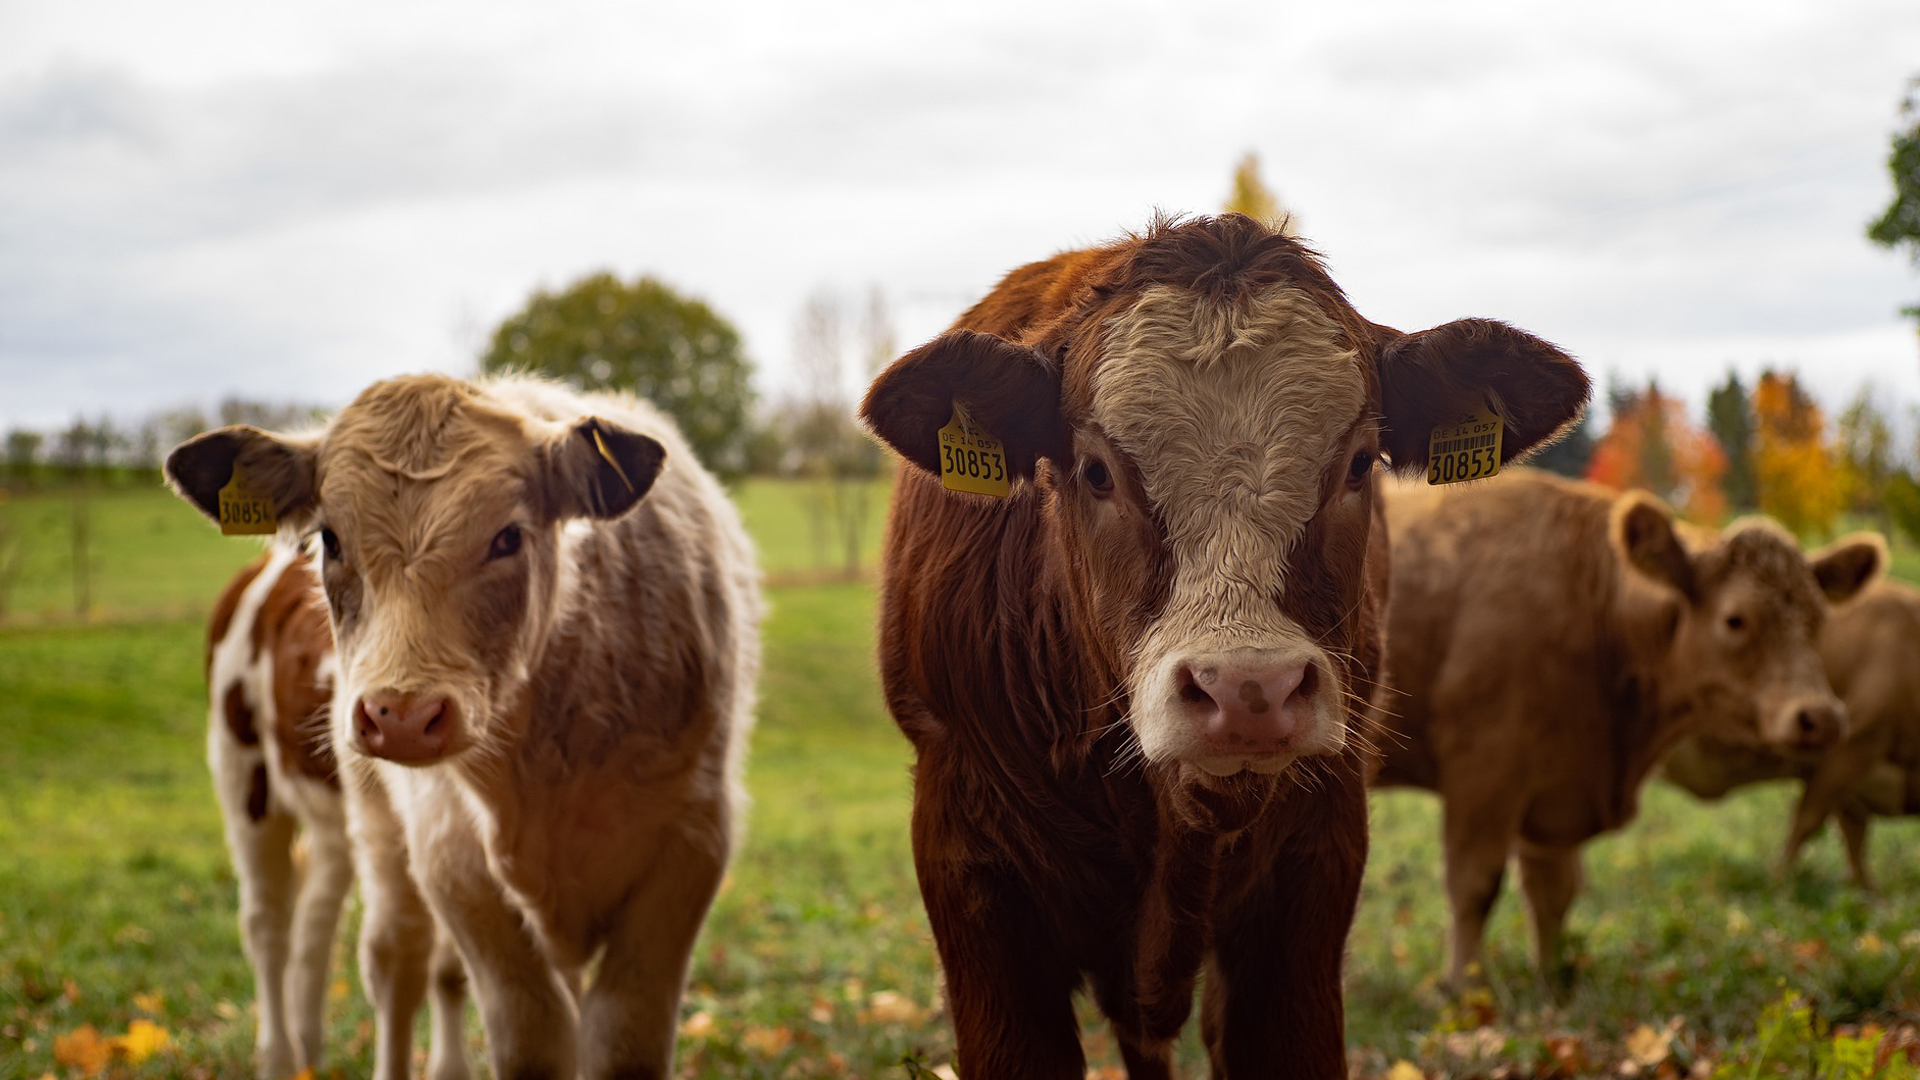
{"points": [[447, 1058], [396, 929], [1479, 821], [630, 1015], [1009, 985], [526, 1004], [1550, 878], [262, 860], [1273, 1005]]}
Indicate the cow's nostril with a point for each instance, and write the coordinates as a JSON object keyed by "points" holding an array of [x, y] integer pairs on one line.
{"points": [[1190, 691], [1309, 682]]}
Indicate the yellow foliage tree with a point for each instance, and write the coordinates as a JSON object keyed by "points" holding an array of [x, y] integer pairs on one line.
{"points": [[1252, 197], [1800, 482], [1652, 445]]}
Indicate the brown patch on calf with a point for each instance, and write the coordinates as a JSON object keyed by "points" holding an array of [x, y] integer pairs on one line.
{"points": [[292, 625], [239, 716], [257, 793], [224, 607]]}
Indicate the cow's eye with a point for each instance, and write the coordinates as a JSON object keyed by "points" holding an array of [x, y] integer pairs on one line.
{"points": [[1098, 479], [330, 543], [1359, 469], [506, 543], [1736, 623]]}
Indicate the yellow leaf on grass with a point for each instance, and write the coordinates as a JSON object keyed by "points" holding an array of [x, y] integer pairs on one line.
{"points": [[143, 1039], [150, 1003], [1648, 1047], [1405, 1070], [83, 1049]]}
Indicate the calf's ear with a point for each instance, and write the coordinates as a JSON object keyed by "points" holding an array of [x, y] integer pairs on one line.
{"points": [[597, 469], [1845, 567], [1010, 391], [274, 467], [1643, 531], [1434, 377]]}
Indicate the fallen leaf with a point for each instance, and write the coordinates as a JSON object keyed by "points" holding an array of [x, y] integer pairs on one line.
{"points": [[1569, 1055], [1648, 1047], [150, 1003], [226, 1010], [887, 1007], [1870, 944], [1405, 1070], [698, 1026], [767, 1042], [143, 1039], [83, 1049], [821, 1011]]}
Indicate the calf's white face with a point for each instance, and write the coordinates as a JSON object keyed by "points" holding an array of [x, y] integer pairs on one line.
{"points": [[1230, 418], [441, 518]]}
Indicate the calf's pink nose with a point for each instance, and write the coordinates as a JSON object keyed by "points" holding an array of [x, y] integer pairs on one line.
{"points": [[1250, 701], [404, 727]]}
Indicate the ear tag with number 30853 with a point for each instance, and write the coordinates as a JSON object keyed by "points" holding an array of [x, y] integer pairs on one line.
{"points": [[1466, 450], [246, 510], [970, 459]]}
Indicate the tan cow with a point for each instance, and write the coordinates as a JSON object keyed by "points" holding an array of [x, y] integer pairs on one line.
{"points": [[1551, 640], [1138, 685], [1871, 647], [270, 674], [546, 618]]}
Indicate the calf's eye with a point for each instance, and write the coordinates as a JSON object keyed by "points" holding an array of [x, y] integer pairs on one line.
{"points": [[506, 543], [1736, 622], [1097, 477], [1359, 469], [330, 543]]}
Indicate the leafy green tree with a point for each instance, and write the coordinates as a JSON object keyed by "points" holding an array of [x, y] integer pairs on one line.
{"points": [[1899, 224], [1864, 440], [601, 333], [1730, 418]]}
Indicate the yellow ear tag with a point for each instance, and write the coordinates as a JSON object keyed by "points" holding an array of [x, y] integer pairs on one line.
{"points": [[970, 459], [608, 454], [246, 510], [1467, 450]]}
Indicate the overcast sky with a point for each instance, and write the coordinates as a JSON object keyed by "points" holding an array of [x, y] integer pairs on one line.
{"points": [[289, 200]]}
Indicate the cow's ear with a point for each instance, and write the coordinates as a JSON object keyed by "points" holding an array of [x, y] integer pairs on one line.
{"points": [[273, 467], [1009, 391], [1435, 377], [597, 469], [1845, 567], [1643, 531]]}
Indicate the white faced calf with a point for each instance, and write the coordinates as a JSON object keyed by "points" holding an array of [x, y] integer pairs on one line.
{"points": [[546, 617]]}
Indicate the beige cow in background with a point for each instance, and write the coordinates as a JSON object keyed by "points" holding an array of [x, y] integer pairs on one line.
{"points": [[546, 616], [1550, 640], [1871, 647]]}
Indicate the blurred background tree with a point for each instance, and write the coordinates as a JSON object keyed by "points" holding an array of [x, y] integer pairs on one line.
{"points": [[1730, 418], [1573, 453], [1652, 445], [1251, 196], [601, 333], [1799, 483], [1899, 225]]}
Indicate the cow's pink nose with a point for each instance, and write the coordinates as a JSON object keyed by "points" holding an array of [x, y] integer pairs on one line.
{"points": [[404, 727], [1249, 701]]}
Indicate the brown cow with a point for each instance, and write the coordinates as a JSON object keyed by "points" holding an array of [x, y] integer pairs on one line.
{"points": [[1871, 647], [1137, 687], [270, 674], [547, 639], [1550, 640]]}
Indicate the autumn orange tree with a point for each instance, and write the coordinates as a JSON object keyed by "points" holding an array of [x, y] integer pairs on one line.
{"points": [[1651, 444], [1799, 480]]}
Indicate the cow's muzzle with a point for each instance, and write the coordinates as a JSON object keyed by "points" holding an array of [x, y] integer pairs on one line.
{"points": [[412, 729]]}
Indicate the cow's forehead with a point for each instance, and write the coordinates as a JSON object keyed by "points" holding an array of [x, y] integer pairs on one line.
{"points": [[1231, 411], [1766, 560]]}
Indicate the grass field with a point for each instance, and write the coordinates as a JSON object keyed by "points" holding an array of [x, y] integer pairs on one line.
{"points": [[117, 902]]}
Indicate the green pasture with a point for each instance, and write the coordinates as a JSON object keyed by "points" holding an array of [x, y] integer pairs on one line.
{"points": [[117, 902]]}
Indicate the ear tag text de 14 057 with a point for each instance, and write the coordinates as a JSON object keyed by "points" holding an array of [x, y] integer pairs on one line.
{"points": [[1466, 450], [970, 459], [246, 510]]}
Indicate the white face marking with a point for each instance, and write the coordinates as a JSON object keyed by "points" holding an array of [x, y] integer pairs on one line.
{"points": [[1232, 414]]}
